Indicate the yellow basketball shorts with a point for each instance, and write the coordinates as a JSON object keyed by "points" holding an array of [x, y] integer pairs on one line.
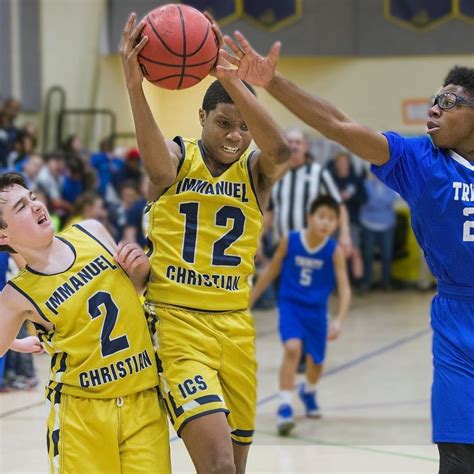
{"points": [[207, 364], [111, 435]]}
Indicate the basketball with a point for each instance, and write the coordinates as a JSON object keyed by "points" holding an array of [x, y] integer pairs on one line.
{"points": [[181, 49]]}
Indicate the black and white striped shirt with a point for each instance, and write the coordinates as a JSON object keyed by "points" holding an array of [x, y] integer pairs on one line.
{"points": [[292, 196]]}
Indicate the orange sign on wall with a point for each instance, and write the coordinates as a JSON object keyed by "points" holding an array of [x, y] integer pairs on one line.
{"points": [[415, 111]]}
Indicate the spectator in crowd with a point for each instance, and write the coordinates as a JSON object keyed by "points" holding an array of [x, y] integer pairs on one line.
{"points": [[31, 169], [352, 189], [306, 180], [107, 166], [134, 203], [23, 146], [74, 179], [131, 169], [8, 130], [51, 181], [377, 217], [88, 206]]}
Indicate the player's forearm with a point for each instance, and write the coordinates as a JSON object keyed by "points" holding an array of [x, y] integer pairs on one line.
{"points": [[343, 220], [154, 151], [266, 133], [263, 281], [139, 278], [345, 294], [316, 112]]}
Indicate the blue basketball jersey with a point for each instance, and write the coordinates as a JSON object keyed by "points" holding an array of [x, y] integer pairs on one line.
{"points": [[307, 275], [3, 268], [439, 188]]}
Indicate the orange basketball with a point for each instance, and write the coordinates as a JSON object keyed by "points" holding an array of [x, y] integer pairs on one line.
{"points": [[181, 49]]}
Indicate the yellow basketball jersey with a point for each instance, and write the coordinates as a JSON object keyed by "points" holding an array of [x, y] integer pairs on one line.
{"points": [[204, 232], [100, 345]]}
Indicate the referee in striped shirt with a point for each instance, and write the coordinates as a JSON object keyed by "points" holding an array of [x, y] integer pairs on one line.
{"points": [[292, 196]]}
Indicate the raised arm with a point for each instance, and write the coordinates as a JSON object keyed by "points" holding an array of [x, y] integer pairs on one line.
{"points": [[272, 158], [316, 112], [270, 272], [160, 158]]}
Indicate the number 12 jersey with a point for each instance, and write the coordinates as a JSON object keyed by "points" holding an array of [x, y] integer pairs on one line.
{"points": [[204, 232]]}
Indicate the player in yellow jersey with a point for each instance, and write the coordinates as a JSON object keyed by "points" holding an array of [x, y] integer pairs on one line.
{"points": [[204, 229], [80, 291]]}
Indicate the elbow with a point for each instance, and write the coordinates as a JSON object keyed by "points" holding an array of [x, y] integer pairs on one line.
{"points": [[161, 179], [282, 153]]}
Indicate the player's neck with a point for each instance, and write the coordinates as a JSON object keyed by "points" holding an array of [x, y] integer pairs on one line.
{"points": [[215, 167], [313, 240], [466, 152], [55, 257]]}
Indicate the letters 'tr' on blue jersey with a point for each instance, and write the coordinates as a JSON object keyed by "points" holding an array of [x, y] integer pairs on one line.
{"points": [[439, 188], [308, 275]]}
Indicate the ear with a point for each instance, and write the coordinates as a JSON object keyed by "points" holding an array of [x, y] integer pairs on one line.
{"points": [[4, 239], [202, 117]]}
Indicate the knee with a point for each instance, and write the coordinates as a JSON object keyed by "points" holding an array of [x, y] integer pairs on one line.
{"points": [[293, 350], [222, 465]]}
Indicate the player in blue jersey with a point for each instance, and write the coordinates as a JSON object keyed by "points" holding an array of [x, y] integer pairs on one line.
{"points": [[310, 264], [435, 175]]}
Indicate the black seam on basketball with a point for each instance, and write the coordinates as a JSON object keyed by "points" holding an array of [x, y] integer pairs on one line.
{"points": [[183, 30], [202, 42], [177, 65], [161, 39], [175, 75]]}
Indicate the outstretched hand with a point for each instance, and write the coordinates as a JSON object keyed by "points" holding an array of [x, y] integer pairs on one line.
{"points": [[130, 46], [250, 66]]}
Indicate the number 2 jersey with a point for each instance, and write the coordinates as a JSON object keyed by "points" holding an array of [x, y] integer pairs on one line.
{"points": [[100, 345], [204, 233], [307, 275]]}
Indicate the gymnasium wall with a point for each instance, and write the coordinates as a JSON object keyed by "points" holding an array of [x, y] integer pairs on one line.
{"points": [[370, 90]]}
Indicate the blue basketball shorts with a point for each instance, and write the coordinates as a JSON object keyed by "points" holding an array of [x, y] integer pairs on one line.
{"points": [[452, 397], [306, 323]]}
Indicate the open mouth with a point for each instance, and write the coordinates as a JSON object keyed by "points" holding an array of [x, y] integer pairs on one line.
{"points": [[229, 149], [42, 220]]}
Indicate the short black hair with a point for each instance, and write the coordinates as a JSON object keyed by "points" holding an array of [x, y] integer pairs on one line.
{"points": [[327, 201], [461, 76], [7, 180], [216, 94]]}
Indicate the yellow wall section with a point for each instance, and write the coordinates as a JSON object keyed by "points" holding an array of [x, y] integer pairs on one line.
{"points": [[370, 90]]}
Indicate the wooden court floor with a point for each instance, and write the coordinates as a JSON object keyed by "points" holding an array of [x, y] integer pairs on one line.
{"points": [[374, 395]]}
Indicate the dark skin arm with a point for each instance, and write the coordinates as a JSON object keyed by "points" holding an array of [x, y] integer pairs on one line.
{"points": [[316, 112]]}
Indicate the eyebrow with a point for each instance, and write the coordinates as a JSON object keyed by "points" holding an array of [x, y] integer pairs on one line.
{"points": [[21, 200]]}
